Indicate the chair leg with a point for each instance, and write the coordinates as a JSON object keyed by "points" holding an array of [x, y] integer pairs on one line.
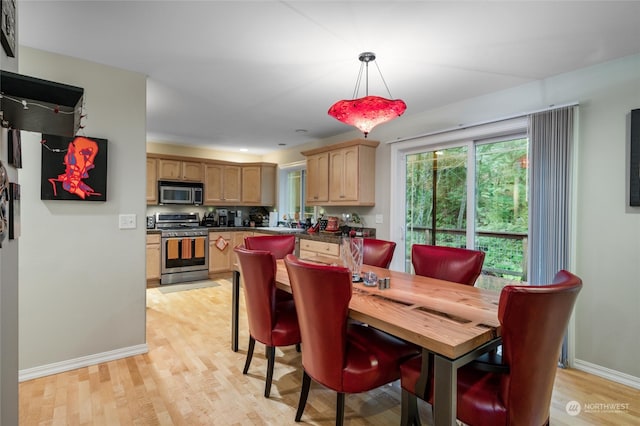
{"points": [[247, 363], [409, 409], [271, 356], [340, 409], [298, 347], [304, 393]]}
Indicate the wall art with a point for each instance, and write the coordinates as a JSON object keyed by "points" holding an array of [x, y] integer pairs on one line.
{"points": [[73, 168], [8, 26], [4, 200], [634, 169]]}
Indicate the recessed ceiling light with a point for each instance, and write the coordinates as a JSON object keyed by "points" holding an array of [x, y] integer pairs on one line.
{"points": [[243, 150], [301, 130], [282, 144]]}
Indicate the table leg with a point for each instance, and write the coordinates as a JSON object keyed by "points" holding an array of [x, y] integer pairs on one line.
{"points": [[445, 391], [235, 303]]}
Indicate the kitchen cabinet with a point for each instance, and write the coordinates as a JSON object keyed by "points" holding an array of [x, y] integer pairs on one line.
{"points": [[258, 185], [171, 169], [346, 177], [153, 257], [222, 184], [152, 180], [312, 248], [220, 252], [317, 179]]}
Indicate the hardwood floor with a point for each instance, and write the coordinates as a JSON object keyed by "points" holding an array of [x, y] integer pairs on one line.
{"points": [[190, 376]]}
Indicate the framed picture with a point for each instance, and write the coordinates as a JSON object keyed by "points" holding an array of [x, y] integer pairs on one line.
{"points": [[14, 210], [73, 168], [634, 165], [14, 151], [8, 26]]}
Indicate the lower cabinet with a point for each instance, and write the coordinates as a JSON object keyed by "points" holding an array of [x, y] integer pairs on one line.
{"points": [[312, 248], [220, 252], [153, 257]]}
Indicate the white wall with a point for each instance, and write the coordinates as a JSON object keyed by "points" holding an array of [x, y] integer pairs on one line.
{"points": [[82, 280], [607, 237]]}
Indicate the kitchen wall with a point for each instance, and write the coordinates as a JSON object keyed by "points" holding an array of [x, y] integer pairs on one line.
{"points": [[82, 279], [606, 233]]}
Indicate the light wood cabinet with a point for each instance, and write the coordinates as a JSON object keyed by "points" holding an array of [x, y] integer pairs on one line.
{"points": [[220, 254], [179, 170], [153, 257], [317, 180], [258, 185], [312, 248], [346, 177], [152, 180], [222, 185]]}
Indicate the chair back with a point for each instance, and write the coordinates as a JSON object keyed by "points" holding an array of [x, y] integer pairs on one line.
{"points": [[378, 252], [258, 271], [321, 294], [447, 263], [279, 245], [534, 320]]}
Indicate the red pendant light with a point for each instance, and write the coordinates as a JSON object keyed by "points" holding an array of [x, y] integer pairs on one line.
{"points": [[367, 112]]}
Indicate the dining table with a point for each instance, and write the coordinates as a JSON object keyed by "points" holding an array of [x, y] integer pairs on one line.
{"points": [[456, 323]]}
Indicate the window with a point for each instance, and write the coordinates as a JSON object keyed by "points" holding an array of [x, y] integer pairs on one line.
{"points": [[468, 188], [292, 193]]}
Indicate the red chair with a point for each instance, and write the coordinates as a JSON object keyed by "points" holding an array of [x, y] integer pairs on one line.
{"points": [[271, 322], [377, 252], [279, 246], [343, 356], [447, 263], [518, 389]]}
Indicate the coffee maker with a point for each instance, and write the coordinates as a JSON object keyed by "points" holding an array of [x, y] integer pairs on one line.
{"points": [[223, 217]]}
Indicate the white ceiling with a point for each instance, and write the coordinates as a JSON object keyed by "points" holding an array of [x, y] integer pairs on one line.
{"points": [[232, 74]]}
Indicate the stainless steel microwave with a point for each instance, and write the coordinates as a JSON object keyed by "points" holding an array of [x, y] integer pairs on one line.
{"points": [[180, 192]]}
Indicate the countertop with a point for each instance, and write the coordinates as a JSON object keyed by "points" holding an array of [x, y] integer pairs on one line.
{"points": [[320, 236]]}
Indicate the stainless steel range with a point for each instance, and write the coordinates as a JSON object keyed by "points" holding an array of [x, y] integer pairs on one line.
{"points": [[185, 247]]}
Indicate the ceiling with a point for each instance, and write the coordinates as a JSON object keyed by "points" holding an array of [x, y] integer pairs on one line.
{"points": [[262, 74]]}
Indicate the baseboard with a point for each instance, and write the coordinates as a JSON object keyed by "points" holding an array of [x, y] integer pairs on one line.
{"points": [[607, 373], [85, 361]]}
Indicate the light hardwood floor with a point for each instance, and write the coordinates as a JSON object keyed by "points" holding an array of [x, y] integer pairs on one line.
{"points": [[190, 376]]}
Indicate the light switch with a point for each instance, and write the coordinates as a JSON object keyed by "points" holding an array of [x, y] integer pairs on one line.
{"points": [[378, 218], [127, 221]]}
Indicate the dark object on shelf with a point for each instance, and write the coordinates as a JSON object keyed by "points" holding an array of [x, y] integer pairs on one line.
{"points": [[41, 106]]}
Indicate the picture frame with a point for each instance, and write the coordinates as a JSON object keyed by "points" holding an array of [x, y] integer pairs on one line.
{"points": [[634, 159], [14, 210], [73, 168], [14, 148], [8, 26]]}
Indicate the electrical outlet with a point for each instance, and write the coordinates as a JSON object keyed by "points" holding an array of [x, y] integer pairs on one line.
{"points": [[378, 218], [127, 221]]}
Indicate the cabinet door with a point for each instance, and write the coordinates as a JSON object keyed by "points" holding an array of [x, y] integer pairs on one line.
{"points": [[152, 181], [213, 183], [192, 171], [220, 256], [169, 169], [343, 174], [251, 185], [317, 184], [232, 177], [153, 257]]}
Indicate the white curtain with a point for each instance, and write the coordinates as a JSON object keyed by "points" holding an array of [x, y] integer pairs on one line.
{"points": [[551, 145]]}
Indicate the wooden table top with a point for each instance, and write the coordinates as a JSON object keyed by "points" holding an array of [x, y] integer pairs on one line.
{"points": [[446, 318]]}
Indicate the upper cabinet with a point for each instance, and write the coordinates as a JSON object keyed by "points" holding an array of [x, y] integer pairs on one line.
{"points": [[152, 179], [179, 170], [259, 185], [225, 183], [342, 174], [222, 184]]}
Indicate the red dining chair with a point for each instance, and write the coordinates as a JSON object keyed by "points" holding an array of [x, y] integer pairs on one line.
{"points": [[343, 356], [279, 246], [377, 252], [447, 263], [271, 322], [516, 390]]}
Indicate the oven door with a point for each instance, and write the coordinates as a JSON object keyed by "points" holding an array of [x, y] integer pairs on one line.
{"points": [[182, 254]]}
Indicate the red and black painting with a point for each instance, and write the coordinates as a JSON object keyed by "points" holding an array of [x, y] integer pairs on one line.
{"points": [[73, 168]]}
